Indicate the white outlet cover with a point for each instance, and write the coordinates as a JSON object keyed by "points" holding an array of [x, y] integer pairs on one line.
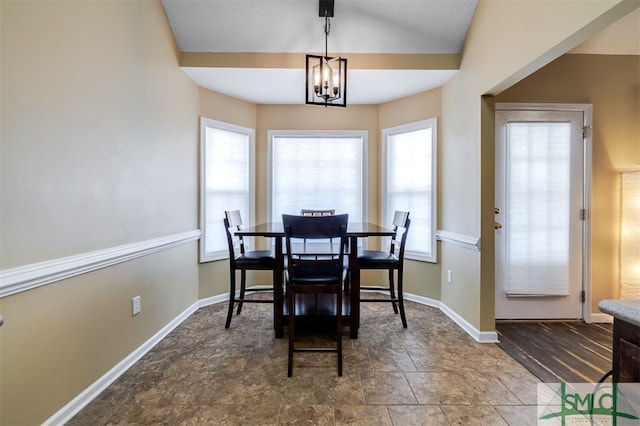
{"points": [[135, 305]]}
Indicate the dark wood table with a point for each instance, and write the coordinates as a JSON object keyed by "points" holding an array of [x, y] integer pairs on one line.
{"points": [[355, 230]]}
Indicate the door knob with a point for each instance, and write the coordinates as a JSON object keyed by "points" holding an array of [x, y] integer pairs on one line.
{"points": [[497, 225], [496, 210]]}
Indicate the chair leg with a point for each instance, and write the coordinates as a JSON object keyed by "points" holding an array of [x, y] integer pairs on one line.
{"points": [[392, 291], [292, 329], [232, 296], [243, 286], [401, 300], [339, 329]]}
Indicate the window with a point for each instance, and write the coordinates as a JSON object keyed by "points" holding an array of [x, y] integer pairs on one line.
{"points": [[317, 170], [409, 183], [227, 183]]}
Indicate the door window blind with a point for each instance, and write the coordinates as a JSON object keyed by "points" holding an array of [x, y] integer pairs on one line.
{"points": [[538, 208]]}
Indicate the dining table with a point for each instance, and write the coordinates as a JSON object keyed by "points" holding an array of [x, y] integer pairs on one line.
{"points": [[355, 230]]}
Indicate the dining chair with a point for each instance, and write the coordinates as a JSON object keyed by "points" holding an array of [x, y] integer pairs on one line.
{"points": [[392, 260], [308, 274], [244, 260]]}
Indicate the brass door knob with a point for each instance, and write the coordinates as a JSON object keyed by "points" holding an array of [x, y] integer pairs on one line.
{"points": [[497, 225]]}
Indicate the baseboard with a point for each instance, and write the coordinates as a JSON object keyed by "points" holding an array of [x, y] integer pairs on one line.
{"points": [[422, 300], [478, 336], [67, 412], [601, 318], [213, 300]]}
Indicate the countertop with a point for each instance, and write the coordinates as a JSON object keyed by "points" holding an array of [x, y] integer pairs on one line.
{"points": [[626, 310]]}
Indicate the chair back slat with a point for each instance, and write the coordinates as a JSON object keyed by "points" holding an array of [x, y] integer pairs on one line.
{"points": [[400, 218], [315, 212], [401, 224], [234, 218], [232, 222]]}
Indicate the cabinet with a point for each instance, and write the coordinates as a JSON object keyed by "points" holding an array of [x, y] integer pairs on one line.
{"points": [[626, 352]]}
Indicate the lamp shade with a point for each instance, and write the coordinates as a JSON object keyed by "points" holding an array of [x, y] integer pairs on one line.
{"points": [[326, 81]]}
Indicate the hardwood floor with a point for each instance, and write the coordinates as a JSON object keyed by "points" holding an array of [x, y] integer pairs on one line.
{"points": [[564, 351]]}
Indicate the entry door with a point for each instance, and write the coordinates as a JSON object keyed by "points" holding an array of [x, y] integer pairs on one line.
{"points": [[539, 214]]}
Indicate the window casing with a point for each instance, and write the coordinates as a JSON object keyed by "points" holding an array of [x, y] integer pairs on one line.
{"points": [[317, 170], [227, 167], [409, 183]]}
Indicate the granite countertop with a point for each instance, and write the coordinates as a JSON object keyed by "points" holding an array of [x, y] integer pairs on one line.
{"points": [[626, 310]]}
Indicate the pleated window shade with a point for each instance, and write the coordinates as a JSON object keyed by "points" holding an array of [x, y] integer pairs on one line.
{"points": [[538, 209], [227, 176], [317, 171], [409, 184]]}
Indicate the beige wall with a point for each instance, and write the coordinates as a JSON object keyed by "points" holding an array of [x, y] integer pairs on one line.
{"points": [[214, 276], [421, 278], [505, 43], [99, 148], [611, 84]]}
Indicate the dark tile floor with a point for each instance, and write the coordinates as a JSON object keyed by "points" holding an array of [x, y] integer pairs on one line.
{"points": [[432, 373]]}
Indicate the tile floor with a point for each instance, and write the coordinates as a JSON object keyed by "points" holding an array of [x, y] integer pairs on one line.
{"points": [[432, 373]]}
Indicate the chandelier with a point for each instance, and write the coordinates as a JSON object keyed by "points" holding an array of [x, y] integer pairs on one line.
{"points": [[326, 76]]}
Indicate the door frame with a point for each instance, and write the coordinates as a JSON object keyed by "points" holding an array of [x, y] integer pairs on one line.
{"points": [[587, 111]]}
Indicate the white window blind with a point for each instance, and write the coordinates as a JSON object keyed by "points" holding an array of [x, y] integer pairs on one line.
{"points": [[317, 170], [410, 183], [226, 182], [538, 208]]}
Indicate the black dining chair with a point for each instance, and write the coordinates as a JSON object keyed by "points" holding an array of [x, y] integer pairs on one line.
{"points": [[244, 260], [392, 260], [309, 274]]}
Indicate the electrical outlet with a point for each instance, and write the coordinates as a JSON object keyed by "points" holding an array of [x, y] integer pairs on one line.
{"points": [[449, 277], [135, 305]]}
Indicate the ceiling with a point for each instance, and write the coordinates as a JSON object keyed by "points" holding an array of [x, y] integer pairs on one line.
{"points": [[410, 27]]}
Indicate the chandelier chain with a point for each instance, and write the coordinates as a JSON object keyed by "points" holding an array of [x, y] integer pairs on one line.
{"points": [[327, 29]]}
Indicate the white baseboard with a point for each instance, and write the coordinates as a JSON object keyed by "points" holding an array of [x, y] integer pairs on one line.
{"points": [[213, 300], [67, 412], [601, 318], [478, 336], [85, 397], [422, 300]]}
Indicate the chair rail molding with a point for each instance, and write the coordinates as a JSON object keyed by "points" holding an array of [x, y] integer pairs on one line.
{"points": [[467, 241], [27, 277]]}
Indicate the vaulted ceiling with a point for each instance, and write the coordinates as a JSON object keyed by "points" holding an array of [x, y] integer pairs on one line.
{"points": [[254, 49]]}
